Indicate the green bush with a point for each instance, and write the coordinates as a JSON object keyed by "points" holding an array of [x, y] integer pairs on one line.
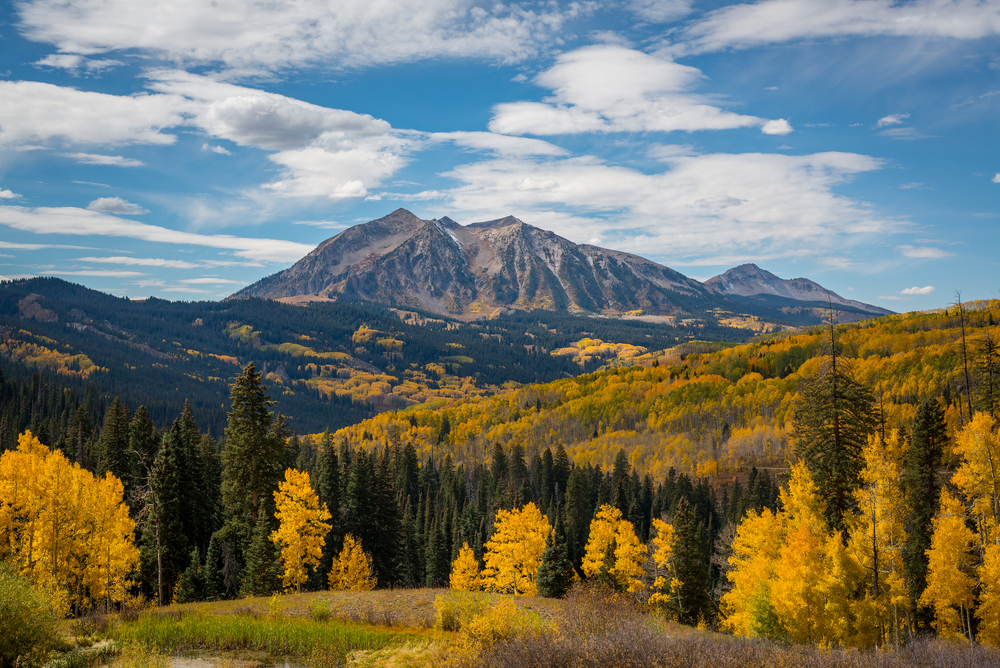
{"points": [[27, 623]]}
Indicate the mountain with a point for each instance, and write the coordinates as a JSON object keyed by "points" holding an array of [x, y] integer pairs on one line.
{"points": [[748, 283], [464, 270]]}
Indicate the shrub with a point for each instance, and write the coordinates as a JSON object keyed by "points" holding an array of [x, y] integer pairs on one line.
{"points": [[320, 611], [27, 620]]}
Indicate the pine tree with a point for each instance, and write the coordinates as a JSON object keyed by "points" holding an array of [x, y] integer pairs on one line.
{"points": [[251, 459], [261, 575], [114, 441], [833, 417], [922, 492], [691, 601], [556, 574]]}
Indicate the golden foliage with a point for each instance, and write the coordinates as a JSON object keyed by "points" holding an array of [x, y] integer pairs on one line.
{"points": [[64, 528], [465, 571], [630, 554], [514, 553], [303, 527], [353, 568], [949, 580]]}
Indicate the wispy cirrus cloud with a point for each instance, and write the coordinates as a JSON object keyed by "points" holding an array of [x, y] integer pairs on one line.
{"points": [[891, 119], [98, 159], [81, 222], [923, 252]]}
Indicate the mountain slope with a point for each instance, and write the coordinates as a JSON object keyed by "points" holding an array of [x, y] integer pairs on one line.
{"points": [[749, 283], [443, 267]]}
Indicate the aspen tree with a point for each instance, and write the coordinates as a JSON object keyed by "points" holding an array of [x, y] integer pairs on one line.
{"points": [[630, 554], [302, 529], [465, 571], [514, 553], [949, 580], [353, 569]]}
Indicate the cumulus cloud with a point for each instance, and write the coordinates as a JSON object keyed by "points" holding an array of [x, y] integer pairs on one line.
{"points": [[272, 36], [33, 112], [215, 149], [116, 205], [778, 126], [995, 179], [923, 252], [610, 88], [701, 203], [82, 222], [926, 290], [742, 26], [8, 194], [891, 119]]}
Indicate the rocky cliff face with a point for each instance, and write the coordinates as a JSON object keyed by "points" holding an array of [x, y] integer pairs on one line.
{"points": [[441, 266], [752, 282]]}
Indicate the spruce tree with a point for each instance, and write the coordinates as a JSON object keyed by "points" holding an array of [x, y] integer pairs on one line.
{"points": [[691, 602], [114, 442], [833, 417], [555, 575], [261, 575], [251, 459], [191, 586], [165, 551], [214, 585], [144, 442], [922, 497]]}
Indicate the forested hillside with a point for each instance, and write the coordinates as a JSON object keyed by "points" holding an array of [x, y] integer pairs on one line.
{"points": [[332, 364], [700, 407]]}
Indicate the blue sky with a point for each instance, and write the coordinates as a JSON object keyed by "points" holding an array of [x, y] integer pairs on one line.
{"points": [[185, 149]]}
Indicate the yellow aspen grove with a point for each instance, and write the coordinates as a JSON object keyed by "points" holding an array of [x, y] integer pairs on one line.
{"points": [[67, 530], [979, 446], [303, 526], [664, 582], [465, 571], [755, 552], [877, 538], [949, 579], [514, 553], [353, 568], [630, 554], [988, 612]]}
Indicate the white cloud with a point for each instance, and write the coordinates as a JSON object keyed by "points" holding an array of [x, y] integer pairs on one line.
{"points": [[92, 183], [778, 126], [142, 262], [273, 36], [891, 119], [609, 88], [926, 290], [74, 63], [211, 280], [660, 11], [500, 144], [743, 26], [216, 149], [912, 186], [996, 179], [718, 203], [107, 273], [98, 159], [31, 111], [923, 252], [903, 133], [74, 221], [8, 194], [116, 205]]}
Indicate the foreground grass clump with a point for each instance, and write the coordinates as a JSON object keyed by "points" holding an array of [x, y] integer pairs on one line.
{"points": [[321, 643], [28, 625], [596, 629]]}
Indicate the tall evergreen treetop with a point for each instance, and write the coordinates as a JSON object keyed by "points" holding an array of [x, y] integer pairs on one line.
{"points": [[252, 456]]}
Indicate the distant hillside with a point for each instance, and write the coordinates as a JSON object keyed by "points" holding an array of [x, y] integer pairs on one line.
{"points": [[328, 364], [749, 284], [702, 407]]}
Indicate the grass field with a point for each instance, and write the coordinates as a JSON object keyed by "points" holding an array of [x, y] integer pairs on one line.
{"points": [[403, 629]]}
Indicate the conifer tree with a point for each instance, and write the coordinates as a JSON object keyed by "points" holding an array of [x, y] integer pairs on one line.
{"points": [[922, 492], [328, 489], [555, 574], [114, 441], [165, 545], [691, 598], [144, 442], [214, 585], [191, 586], [251, 459], [261, 575], [833, 416]]}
